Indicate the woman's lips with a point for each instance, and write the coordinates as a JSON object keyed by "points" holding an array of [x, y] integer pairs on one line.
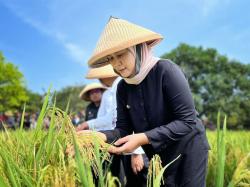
{"points": [[121, 70]]}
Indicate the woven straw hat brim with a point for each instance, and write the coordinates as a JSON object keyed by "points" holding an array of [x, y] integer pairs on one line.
{"points": [[101, 72], [118, 35], [84, 93]]}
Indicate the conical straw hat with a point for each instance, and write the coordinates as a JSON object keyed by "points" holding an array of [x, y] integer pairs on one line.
{"points": [[101, 72], [84, 93], [120, 34]]}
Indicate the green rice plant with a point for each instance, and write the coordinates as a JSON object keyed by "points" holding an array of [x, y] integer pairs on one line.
{"points": [[241, 176], [39, 157], [237, 148], [42, 114], [2, 182], [156, 171], [112, 181], [221, 147], [83, 167], [22, 118]]}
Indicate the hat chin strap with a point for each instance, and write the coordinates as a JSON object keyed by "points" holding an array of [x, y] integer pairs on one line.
{"points": [[137, 59]]}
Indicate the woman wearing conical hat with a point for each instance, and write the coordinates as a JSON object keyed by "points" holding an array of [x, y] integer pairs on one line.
{"points": [[154, 101], [107, 110], [92, 93]]}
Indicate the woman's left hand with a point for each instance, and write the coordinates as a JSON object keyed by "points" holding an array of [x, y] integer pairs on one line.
{"points": [[129, 143]]}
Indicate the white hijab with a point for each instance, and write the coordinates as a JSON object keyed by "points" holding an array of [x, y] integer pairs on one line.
{"points": [[147, 63]]}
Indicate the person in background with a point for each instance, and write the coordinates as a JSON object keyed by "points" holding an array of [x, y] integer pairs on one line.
{"points": [[33, 120], [208, 124], [75, 119], [27, 122], [92, 93], [155, 108], [81, 115], [10, 121], [106, 116], [18, 117]]}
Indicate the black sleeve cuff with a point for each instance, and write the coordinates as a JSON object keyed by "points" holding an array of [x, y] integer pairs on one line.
{"points": [[112, 135]]}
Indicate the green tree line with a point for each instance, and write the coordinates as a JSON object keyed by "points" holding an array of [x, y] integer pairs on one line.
{"points": [[217, 83]]}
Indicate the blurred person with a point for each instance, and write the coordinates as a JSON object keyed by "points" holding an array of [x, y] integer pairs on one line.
{"points": [[18, 117], [92, 93], [75, 119], [81, 115], [10, 120], [33, 121], [46, 122], [207, 124]]}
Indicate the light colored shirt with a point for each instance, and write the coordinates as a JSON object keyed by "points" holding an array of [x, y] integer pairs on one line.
{"points": [[107, 113]]}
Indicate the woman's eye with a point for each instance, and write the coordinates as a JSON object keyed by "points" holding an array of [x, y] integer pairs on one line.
{"points": [[109, 58]]}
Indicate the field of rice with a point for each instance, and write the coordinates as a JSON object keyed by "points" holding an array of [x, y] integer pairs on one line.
{"points": [[43, 158]]}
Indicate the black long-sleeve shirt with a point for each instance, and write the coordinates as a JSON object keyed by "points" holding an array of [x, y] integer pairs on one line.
{"points": [[161, 106], [91, 111]]}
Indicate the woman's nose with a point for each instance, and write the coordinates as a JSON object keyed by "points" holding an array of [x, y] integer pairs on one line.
{"points": [[116, 63]]}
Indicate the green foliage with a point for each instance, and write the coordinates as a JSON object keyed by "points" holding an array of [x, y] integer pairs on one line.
{"points": [[216, 83], [70, 93], [34, 102], [13, 93]]}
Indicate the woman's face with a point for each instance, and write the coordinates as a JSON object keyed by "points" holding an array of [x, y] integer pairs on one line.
{"points": [[123, 62], [95, 95]]}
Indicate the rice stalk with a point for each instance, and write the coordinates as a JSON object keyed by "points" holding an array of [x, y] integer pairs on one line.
{"points": [[221, 153], [156, 171], [241, 176]]}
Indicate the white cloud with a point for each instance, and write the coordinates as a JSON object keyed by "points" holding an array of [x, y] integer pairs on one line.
{"points": [[76, 52], [208, 6]]}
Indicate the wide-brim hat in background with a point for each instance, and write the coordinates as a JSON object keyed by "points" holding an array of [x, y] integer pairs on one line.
{"points": [[101, 72], [84, 93], [120, 34]]}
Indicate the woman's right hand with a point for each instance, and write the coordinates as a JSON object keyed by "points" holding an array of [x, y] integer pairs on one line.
{"points": [[82, 126]]}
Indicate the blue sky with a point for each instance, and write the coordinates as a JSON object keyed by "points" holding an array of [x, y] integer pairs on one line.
{"points": [[51, 40]]}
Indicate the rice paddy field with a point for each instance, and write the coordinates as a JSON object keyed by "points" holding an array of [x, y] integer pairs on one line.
{"points": [[237, 159], [59, 157]]}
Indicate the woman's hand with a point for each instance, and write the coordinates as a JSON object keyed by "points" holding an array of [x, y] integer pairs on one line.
{"points": [[137, 163], [82, 126], [129, 143]]}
